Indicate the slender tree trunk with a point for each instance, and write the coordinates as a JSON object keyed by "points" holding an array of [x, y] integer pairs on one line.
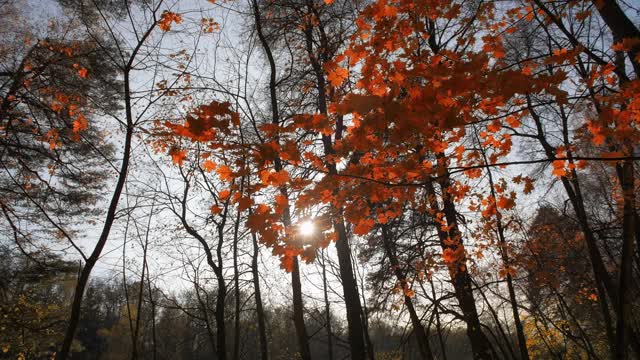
{"points": [[298, 307], [628, 233], [439, 330], [154, 342], [351, 296], [452, 240], [76, 306], [91, 261], [504, 253], [298, 311], [221, 296], [327, 306], [236, 289], [205, 314], [349, 284], [418, 329], [221, 333], [365, 322], [134, 351], [262, 329]]}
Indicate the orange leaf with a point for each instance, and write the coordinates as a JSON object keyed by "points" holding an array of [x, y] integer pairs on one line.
{"points": [[177, 156], [558, 168], [224, 194], [167, 19], [80, 124], [337, 76], [512, 121], [364, 226], [208, 165], [244, 203], [225, 173]]}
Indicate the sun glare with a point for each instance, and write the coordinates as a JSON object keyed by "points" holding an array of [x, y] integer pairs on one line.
{"points": [[306, 228]]}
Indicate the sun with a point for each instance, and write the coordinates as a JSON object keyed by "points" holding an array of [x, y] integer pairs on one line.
{"points": [[306, 228]]}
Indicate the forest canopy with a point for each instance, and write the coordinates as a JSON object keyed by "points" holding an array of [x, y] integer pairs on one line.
{"points": [[319, 179]]}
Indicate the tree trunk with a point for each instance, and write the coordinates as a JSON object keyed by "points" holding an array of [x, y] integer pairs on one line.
{"points": [[298, 308], [78, 294], [262, 329], [236, 289], [628, 233], [522, 342], [327, 307], [452, 240], [349, 283], [621, 26], [298, 312], [351, 296], [418, 329], [91, 261]]}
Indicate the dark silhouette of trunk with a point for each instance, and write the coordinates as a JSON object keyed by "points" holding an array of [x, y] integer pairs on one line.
{"points": [[204, 308], [327, 305], [102, 240], [623, 28], [91, 261], [298, 311], [365, 321], [439, 330], [221, 333], [154, 339], [504, 254], [350, 290], [349, 284], [628, 232], [221, 295], [452, 240], [83, 279], [418, 329], [298, 306], [236, 287], [134, 349], [262, 329]]}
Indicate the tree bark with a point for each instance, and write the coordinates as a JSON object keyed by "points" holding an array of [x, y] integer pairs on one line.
{"points": [[621, 26], [262, 329], [236, 289], [522, 342], [91, 261], [452, 240], [418, 329], [327, 306], [298, 312], [349, 283], [625, 299], [298, 307]]}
